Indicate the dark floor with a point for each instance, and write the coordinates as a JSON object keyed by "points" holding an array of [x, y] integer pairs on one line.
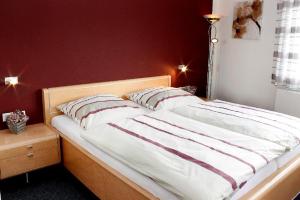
{"points": [[297, 197], [53, 183]]}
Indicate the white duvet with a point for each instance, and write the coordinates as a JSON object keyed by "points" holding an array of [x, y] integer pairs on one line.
{"points": [[275, 127], [194, 160]]}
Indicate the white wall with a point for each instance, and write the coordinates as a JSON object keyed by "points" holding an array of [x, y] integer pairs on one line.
{"points": [[288, 102], [244, 67]]}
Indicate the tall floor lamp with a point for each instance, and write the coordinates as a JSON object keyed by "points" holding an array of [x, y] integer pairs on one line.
{"points": [[213, 40]]}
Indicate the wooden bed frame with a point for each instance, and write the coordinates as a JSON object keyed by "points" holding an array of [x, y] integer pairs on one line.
{"points": [[109, 184]]}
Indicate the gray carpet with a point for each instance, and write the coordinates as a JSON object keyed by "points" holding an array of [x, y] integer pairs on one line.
{"points": [[53, 183]]}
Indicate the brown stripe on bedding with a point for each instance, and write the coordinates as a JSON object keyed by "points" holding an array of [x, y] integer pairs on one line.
{"points": [[181, 155], [205, 135], [170, 97], [194, 141], [254, 115], [148, 92], [242, 184], [232, 115], [103, 101], [107, 108], [167, 90], [257, 109], [76, 103]]}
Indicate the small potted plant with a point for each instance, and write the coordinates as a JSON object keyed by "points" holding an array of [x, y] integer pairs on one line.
{"points": [[16, 121]]}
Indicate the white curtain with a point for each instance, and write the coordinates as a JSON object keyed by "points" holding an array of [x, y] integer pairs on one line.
{"points": [[286, 68]]}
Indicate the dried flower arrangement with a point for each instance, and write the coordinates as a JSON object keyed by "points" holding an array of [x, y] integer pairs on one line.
{"points": [[247, 19], [16, 121]]}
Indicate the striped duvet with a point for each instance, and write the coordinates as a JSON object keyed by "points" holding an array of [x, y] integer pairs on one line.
{"points": [[272, 126], [194, 160]]}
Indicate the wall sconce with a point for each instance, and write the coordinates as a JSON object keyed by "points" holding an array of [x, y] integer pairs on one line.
{"points": [[183, 68], [213, 40], [11, 81]]}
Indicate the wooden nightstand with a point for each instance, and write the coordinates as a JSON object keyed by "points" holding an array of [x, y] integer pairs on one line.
{"points": [[38, 146]]}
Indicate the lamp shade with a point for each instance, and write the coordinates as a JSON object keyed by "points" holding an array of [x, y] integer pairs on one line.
{"points": [[212, 18]]}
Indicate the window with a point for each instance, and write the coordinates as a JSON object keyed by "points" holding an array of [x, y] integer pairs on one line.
{"points": [[286, 68]]}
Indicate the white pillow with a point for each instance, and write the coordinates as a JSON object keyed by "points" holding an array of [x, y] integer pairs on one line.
{"points": [[163, 98], [91, 111]]}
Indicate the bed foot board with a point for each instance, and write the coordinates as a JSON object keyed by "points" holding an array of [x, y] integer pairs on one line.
{"points": [[102, 181], [283, 184]]}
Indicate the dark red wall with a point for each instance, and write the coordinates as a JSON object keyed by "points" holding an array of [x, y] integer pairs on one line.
{"points": [[63, 42]]}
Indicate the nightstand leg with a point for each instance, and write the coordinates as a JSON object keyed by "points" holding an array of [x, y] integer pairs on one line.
{"points": [[27, 178]]}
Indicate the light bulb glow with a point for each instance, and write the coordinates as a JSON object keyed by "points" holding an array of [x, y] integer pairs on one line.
{"points": [[12, 80], [214, 40], [183, 68]]}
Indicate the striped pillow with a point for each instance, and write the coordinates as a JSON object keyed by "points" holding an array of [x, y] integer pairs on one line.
{"points": [[163, 98], [91, 111]]}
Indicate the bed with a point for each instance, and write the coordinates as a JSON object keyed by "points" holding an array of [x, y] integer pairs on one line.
{"points": [[109, 182]]}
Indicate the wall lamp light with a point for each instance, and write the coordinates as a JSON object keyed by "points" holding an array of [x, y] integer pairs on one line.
{"points": [[11, 81], [183, 68]]}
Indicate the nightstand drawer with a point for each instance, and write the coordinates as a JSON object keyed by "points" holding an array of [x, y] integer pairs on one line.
{"points": [[29, 147], [31, 161]]}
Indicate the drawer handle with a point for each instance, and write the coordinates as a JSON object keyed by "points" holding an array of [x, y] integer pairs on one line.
{"points": [[30, 155], [29, 146]]}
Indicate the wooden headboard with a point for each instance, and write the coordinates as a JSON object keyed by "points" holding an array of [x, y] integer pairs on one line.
{"points": [[52, 97]]}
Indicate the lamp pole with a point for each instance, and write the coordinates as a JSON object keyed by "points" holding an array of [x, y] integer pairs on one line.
{"points": [[212, 39]]}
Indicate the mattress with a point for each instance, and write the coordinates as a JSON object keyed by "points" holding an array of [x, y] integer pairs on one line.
{"points": [[70, 129], [287, 157]]}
